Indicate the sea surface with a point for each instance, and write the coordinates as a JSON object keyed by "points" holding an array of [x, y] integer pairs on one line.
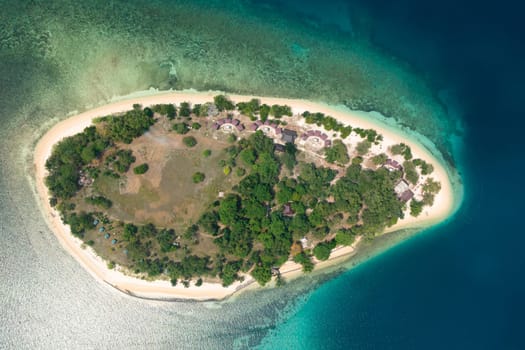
{"points": [[451, 71]]}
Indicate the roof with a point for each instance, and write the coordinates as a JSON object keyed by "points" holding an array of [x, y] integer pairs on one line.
{"points": [[289, 135], [401, 187], [279, 147], [406, 196], [254, 126], [393, 163], [240, 127], [287, 210]]}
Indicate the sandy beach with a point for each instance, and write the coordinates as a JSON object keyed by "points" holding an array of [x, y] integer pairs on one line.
{"points": [[443, 207]]}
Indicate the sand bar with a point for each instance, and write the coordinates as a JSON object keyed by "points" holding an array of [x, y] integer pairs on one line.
{"points": [[445, 202]]}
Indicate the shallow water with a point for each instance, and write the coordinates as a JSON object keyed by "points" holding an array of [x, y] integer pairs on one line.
{"points": [[60, 56]]}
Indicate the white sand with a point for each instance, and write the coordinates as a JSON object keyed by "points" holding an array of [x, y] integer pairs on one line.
{"points": [[442, 208]]}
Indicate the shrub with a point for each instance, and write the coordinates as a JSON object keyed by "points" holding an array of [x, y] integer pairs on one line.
{"points": [[189, 141], [198, 177], [363, 147], [141, 169], [195, 126], [240, 172], [181, 128], [206, 153]]}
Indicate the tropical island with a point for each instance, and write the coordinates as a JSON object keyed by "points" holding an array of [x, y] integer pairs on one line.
{"points": [[198, 195]]}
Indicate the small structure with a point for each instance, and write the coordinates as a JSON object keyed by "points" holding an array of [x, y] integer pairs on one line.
{"points": [[275, 271], [102, 229], [280, 148], [317, 137], [304, 242], [403, 191], [406, 196], [95, 222], [287, 210], [113, 241], [392, 165], [106, 236], [289, 135]]}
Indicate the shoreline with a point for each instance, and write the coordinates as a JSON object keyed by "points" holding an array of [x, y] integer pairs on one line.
{"points": [[446, 202]]}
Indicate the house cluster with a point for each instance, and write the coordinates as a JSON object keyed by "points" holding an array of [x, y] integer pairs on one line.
{"points": [[228, 124], [318, 137]]}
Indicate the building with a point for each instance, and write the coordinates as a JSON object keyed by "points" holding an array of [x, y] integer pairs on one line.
{"points": [[287, 210], [280, 148], [392, 165], [289, 135], [403, 191], [401, 187]]}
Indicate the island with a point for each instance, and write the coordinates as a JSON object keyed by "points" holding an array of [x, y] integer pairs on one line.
{"points": [[187, 195]]}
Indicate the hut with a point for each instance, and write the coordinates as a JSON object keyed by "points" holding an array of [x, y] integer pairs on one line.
{"points": [[106, 236], [102, 229], [113, 241], [287, 210], [279, 148], [95, 222]]}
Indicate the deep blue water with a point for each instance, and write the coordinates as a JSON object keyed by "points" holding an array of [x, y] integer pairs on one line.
{"points": [[457, 286], [461, 285]]}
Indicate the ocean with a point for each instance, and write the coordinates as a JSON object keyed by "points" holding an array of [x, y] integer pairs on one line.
{"points": [[453, 72]]}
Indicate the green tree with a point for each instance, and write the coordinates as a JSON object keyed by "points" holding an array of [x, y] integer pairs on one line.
{"points": [[338, 153], [416, 208], [363, 147], [322, 250], [181, 128], [141, 169], [379, 159], [185, 109], [223, 103]]}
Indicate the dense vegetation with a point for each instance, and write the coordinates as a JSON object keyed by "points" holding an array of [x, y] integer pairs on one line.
{"points": [[257, 225]]}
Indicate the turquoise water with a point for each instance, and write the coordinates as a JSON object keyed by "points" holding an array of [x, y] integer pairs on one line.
{"points": [[456, 286]]}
